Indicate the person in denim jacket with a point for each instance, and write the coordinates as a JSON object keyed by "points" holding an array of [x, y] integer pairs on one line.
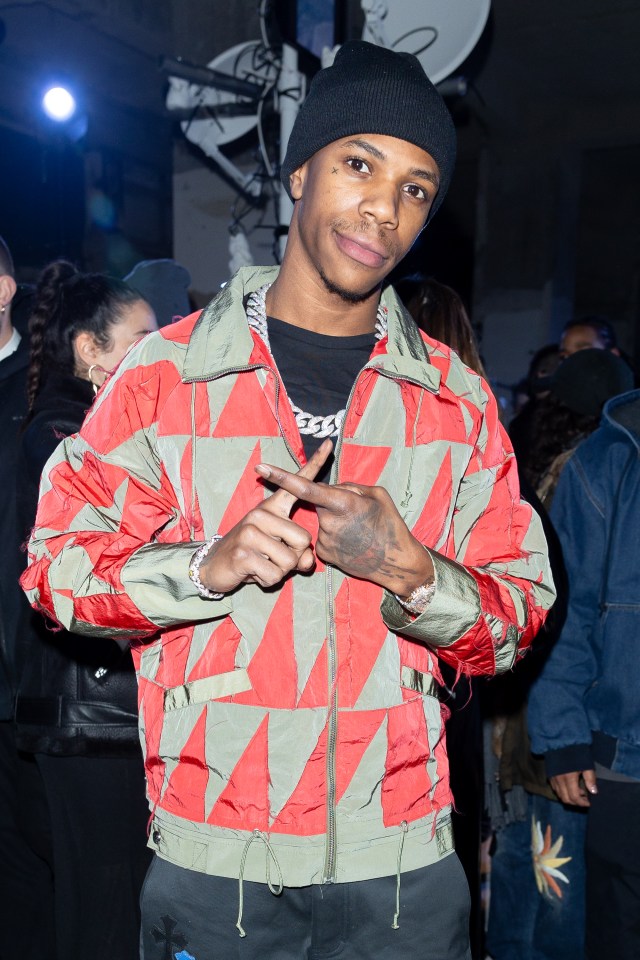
{"points": [[584, 710]]}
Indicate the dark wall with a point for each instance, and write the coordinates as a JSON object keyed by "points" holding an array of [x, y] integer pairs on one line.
{"points": [[105, 199], [42, 199]]}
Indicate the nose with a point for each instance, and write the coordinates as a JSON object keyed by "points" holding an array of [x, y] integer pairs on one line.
{"points": [[380, 205]]}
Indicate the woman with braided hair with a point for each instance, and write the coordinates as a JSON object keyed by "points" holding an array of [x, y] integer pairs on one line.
{"points": [[82, 325], [76, 714]]}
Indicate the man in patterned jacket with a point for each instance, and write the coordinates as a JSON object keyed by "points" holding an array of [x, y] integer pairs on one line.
{"points": [[287, 631]]}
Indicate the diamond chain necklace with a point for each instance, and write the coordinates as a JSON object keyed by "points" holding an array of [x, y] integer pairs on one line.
{"points": [[308, 423]]}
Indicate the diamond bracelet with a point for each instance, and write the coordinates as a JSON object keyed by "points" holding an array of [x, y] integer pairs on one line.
{"points": [[194, 569]]}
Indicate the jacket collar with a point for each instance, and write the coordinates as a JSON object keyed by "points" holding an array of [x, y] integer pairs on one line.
{"points": [[221, 340]]}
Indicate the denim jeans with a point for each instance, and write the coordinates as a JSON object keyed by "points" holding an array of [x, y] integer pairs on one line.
{"points": [[534, 914]]}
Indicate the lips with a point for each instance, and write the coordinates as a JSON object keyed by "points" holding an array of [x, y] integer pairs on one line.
{"points": [[363, 250]]}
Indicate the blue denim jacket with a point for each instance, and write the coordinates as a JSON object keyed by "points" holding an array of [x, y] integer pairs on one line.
{"points": [[585, 706]]}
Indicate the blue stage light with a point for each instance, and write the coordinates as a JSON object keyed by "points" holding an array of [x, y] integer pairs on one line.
{"points": [[59, 104]]}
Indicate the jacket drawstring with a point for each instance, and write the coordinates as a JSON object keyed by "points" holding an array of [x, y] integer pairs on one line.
{"points": [[405, 826], [270, 855]]}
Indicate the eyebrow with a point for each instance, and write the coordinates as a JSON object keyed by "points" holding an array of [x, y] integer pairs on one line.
{"points": [[369, 148]]}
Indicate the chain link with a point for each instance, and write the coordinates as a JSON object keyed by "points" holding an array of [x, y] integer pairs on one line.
{"points": [[308, 423]]}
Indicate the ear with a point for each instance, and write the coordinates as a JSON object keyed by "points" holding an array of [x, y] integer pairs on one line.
{"points": [[7, 289], [86, 348], [296, 181]]}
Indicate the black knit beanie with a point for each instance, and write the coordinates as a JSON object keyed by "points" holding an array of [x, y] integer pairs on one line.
{"points": [[370, 89]]}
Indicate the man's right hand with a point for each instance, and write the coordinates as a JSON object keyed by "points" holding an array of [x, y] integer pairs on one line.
{"points": [[574, 788], [266, 544]]}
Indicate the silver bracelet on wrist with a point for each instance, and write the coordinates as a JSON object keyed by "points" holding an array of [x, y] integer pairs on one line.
{"points": [[194, 569]]}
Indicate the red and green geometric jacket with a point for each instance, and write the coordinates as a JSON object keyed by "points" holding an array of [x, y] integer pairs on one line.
{"points": [[304, 717]]}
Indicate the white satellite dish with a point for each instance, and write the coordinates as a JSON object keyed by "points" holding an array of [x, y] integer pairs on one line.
{"points": [[441, 33], [219, 116], [242, 62]]}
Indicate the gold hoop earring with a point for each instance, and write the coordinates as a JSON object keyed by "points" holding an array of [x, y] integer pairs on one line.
{"points": [[96, 366]]}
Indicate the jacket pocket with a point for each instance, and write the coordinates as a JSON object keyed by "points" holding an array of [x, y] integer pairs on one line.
{"points": [[423, 683], [208, 688]]}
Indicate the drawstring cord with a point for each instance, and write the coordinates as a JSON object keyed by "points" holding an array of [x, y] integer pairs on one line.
{"points": [[395, 925], [275, 890]]}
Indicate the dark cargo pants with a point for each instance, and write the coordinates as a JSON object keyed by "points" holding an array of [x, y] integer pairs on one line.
{"points": [[192, 916]]}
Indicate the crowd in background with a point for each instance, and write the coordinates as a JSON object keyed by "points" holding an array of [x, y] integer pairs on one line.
{"points": [[74, 813]]}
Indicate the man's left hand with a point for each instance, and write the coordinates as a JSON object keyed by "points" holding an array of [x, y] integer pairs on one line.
{"points": [[361, 531]]}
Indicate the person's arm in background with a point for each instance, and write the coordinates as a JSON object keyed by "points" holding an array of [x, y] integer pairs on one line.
{"points": [[558, 722]]}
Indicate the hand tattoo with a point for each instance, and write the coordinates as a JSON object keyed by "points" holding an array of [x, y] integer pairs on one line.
{"points": [[364, 544]]}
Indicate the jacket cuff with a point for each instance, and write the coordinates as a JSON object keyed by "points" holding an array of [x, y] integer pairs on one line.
{"points": [[451, 613], [156, 579], [577, 756]]}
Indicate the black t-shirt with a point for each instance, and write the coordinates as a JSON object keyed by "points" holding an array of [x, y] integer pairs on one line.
{"points": [[318, 371]]}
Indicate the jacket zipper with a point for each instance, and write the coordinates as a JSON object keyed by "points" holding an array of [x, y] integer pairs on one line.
{"points": [[332, 671], [332, 736], [332, 667], [332, 658]]}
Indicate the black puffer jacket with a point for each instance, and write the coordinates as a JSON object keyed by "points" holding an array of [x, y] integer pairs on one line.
{"points": [[77, 695]]}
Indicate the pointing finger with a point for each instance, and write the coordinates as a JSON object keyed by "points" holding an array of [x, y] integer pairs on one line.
{"points": [[297, 487], [284, 499]]}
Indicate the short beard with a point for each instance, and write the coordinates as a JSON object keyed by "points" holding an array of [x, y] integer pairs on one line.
{"points": [[347, 296]]}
